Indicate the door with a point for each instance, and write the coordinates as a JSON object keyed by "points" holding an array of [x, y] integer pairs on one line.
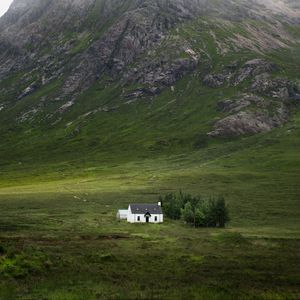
{"points": [[147, 217]]}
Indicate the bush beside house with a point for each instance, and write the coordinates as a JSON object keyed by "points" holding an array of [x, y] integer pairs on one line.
{"points": [[195, 210]]}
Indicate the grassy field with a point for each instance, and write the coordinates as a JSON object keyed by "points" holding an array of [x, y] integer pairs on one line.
{"points": [[60, 238], [60, 247]]}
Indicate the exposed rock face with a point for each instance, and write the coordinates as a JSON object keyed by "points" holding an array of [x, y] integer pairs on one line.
{"points": [[244, 101], [232, 75], [252, 68], [249, 114], [139, 27], [215, 80], [136, 27], [280, 88], [29, 90], [143, 47], [158, 75], [246, 122], [123, 42], [138, 93]]}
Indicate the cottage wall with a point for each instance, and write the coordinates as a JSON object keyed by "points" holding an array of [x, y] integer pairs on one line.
{"points": [[122, 214], [130, 217], [140, 218]]}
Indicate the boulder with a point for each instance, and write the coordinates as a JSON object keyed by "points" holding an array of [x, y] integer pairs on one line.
{"points": [[29, 90], [142, 92]]}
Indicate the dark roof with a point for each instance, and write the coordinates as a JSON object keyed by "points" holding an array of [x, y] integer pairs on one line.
{"points": [[144, 208]]}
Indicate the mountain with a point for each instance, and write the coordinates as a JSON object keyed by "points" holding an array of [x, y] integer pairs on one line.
{"points": [[143, 77], [106, 103]]}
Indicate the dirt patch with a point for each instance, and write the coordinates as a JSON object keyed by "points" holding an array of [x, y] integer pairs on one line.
{"points": [[113, 236]]}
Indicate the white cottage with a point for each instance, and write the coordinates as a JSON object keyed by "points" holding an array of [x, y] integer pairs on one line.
{"points": [[142, 213], [145, 213]]}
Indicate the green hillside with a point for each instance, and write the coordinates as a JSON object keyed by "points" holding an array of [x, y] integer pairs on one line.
{"points": [[102, 125]]}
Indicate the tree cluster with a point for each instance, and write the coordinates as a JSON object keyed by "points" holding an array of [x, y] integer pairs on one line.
{"points": [[195, 210]]}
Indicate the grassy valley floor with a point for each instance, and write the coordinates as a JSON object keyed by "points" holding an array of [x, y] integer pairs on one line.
{"points": [[60, 238]]}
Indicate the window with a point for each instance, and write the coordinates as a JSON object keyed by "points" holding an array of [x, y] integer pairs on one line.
{"points": [[138, 218], [155, 218]]}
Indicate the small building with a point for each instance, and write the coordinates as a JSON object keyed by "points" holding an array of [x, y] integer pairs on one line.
{"points": [[142, 213], [145, 213], [122, 214]]}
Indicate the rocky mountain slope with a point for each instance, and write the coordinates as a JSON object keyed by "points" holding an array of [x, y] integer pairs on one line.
{"points": [[95, 73]]}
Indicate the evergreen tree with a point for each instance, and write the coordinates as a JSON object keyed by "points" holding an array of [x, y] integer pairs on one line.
{"points": [[192, 213], [172, 206], [220, 213], [187, 213], [195, 210]]}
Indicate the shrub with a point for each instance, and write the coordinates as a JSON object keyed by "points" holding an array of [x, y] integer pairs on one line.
{"points": [[173, 203], [219, 212], [21, 265], [195, 210], [2, 250]]}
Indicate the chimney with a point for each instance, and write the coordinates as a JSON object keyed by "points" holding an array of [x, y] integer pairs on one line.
{"points": [[159, 203]]}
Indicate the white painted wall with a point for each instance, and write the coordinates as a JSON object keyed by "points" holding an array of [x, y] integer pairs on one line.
{"points": [[133, 218], [122, 214]]}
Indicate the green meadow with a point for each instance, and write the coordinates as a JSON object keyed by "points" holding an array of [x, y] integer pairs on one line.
{"points": [[60, 238]]}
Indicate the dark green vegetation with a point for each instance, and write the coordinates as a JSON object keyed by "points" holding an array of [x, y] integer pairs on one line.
{"points": [[63, 177], [205, 213], [196, 210]]}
